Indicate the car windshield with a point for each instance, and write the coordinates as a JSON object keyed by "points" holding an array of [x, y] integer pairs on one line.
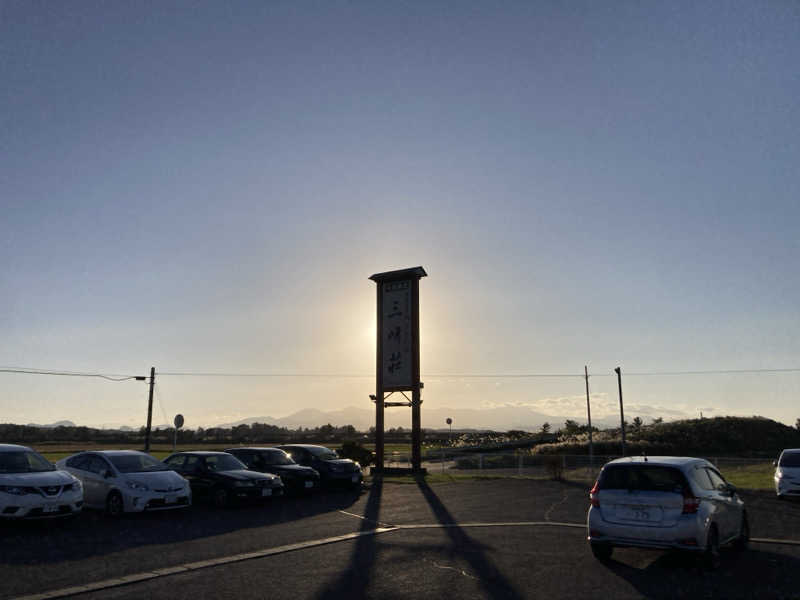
{"points": [[136, 463], [790, 459], [276, 457], [24, 461], [324, 453], [651, 478], [224, 462]]}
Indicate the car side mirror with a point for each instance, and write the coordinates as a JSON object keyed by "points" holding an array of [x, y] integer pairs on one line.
{"points": [[730, 489]]}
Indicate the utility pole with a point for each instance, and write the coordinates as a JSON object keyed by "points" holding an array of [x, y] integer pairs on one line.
{"points": [[589, 415], [618, 371], [149, 410]]}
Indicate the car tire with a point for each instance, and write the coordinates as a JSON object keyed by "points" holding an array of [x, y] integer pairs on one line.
{"points": [[602, 551], [711, 556], [115, 506], [220, 497], [744, 535]]}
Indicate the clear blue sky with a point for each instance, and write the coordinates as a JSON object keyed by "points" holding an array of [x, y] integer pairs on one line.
{"points": [[206, 186]]}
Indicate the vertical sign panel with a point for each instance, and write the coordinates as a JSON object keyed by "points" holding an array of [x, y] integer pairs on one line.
{"points": [[397, 337]]}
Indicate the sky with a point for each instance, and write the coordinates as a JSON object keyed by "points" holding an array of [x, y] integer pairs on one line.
{"points": [[206, 187]]}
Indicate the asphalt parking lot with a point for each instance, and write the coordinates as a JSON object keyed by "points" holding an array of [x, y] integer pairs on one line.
{"points": [[504, 538]]}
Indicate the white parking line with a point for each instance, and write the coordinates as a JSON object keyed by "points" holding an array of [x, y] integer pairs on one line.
{"points": [[224, 560]]}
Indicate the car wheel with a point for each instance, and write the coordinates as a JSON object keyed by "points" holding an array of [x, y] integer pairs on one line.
{"points": [[711, 557], [220, 497], [114, 505], [744, 534], [602, 551]]}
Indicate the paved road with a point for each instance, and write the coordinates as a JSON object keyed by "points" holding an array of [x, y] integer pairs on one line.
{"points": [[459, 561]]}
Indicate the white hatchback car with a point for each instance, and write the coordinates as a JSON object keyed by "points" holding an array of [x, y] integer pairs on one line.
{"points": [[787, 473], [665, 502], [31, 487], [127, 481]]}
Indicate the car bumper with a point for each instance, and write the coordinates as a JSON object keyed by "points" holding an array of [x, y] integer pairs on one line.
{"points": [[787, 487], [148, 501], [31, 506], [687, 534], [257, 493], [301, 484], [351, 479]]}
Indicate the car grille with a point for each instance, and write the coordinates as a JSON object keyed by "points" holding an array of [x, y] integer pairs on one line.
{"points": [[168, 490]]}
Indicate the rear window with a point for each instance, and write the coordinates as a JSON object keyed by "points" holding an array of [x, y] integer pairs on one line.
{"points": [[790, 459], [649, 478]]}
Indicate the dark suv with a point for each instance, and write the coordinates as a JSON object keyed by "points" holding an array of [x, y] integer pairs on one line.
{"points": [[332, 470], [296, 478], [223, 478]]}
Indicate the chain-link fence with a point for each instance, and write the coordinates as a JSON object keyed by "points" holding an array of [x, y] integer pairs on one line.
{"points": [[546, 466]]}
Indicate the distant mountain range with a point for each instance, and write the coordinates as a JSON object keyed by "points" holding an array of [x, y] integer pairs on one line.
{"points": [[502, 418], [497, 419]]}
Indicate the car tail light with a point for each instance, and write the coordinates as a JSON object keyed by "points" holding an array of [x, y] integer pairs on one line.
{"points": [[690, 502], [594, 494]]}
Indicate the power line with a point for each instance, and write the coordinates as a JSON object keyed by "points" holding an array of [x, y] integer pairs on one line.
{"points": [[120, 377], [67, 374]]}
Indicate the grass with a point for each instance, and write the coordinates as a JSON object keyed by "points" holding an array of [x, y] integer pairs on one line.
{"points": [[751, 477]]}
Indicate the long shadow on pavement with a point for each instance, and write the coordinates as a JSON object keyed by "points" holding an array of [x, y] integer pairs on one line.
{"points": [[353, 583], [94, 534], [495, 584], [755, 573]]}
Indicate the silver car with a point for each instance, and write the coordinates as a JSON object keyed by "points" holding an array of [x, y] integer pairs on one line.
{"points": [[31, 488], [127, 481], [665, 502], [787, 473]]}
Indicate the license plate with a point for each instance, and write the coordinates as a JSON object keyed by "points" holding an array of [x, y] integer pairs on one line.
{"points": [[355, 478], [171, 499], [309, 484], [50, 508], [266, 492], [640, 513]]}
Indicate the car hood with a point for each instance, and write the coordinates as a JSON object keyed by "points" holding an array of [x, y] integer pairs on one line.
{"points": [[41, 479], [243, 475], [292, 469], [156, 479]]}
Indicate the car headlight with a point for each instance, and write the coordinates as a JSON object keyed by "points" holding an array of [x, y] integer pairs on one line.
{"points": [[244, 484], [779, 474], [16, 490], [135, 485]]}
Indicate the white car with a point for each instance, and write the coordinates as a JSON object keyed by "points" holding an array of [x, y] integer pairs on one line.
{"points": [[787, 473], [127, 481], [31, 487], [665, 502]]}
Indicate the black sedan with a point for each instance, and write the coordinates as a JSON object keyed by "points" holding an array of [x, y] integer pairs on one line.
{"points": [[296, 478], [222, 478], [332, 469]]}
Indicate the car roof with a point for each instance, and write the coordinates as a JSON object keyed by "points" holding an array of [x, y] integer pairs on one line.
{"points": [[670, 461], [12, 448], [790, 451], [255, 448], [200, 453], [304, 446], [115, 452]]}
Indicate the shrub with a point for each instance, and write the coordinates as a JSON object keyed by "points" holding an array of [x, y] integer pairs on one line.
{"points": [[357, 452]]}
